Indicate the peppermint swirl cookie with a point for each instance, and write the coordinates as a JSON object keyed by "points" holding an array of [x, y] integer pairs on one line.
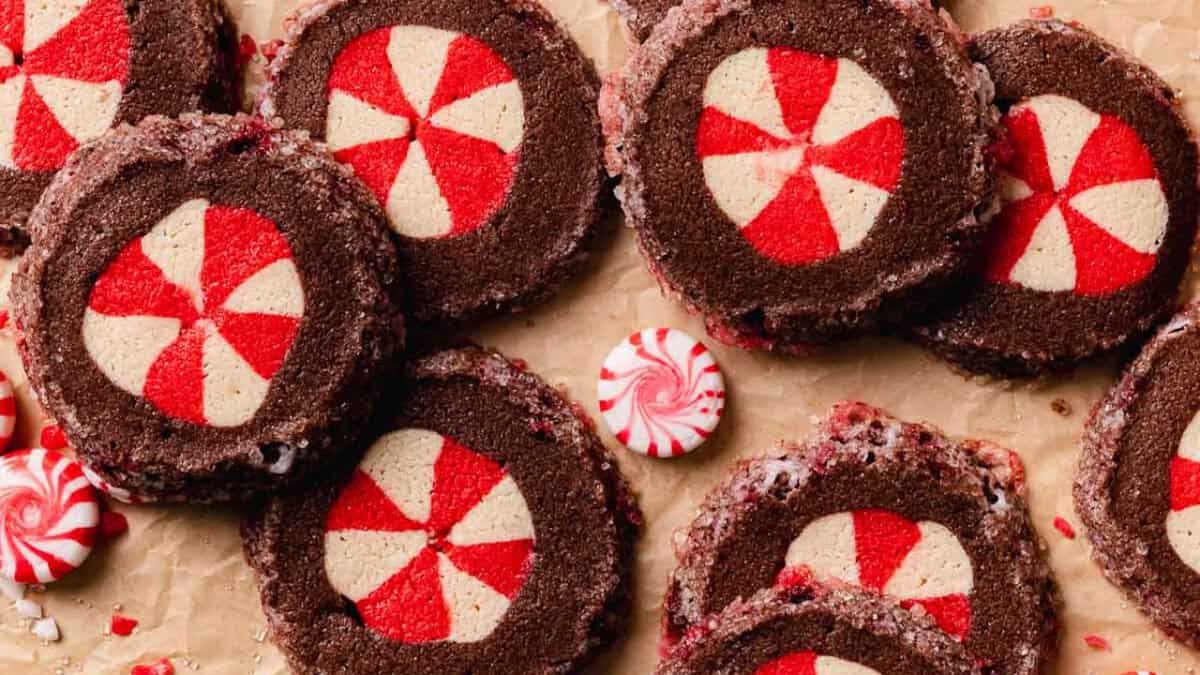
{"points": [[1138, 487], [454, 546], [799, 171], [206, 306], [1096, 186], [475, 126], [892, 507], [817, 632], [71, 69]]}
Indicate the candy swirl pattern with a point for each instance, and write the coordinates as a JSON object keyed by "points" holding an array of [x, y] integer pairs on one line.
{"points": [[49, 516], [661, 392]]}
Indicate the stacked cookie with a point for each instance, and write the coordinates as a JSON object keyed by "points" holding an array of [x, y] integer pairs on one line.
{"points": [[802, 172]]}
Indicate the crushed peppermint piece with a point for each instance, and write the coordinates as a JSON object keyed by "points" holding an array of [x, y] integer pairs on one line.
{"points": [[122, 625], [160, 667], [113, 524], [53, 438], [1096, 642], [1043, 12], [28, 609], [45, 629], [11, 589], [247, 49], [1064, 527]]}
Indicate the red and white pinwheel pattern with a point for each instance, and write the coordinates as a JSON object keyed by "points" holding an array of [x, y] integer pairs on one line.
{"points": [[809, 663], [800, 151], [1183, 520], [1083, 208], [49, 516], [198, 315], [63, 67], [431, 120], [8, 411], [430, 540], [918, 563]]}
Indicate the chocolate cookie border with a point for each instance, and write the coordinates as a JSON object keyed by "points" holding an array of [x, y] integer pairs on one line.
{"points": [[163, 80], [1011, 331], [460, 393], [350, 332], [655, 113], [843, 623], [862, 458], [1137, 416], [555, 208]]}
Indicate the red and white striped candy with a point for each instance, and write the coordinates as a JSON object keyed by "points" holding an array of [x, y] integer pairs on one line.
{"points": [[800, 151], [1183, 520], [430, 540], [809, 663], [1084, 210], [431, 120], [50, 516], [918, 563], [661, 392], [198, 315], [8, 411], [63, 67]]}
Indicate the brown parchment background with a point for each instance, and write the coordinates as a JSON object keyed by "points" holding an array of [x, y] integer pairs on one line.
{"points": [[180, 572]]}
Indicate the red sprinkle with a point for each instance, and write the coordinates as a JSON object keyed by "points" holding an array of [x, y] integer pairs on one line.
{"points": [[1064, 527], [247, 48], [1096, 642], [160, 667], [3, 318], [271, 49], [122, 625], [113, 524], [53, 437], [1043, 12]]}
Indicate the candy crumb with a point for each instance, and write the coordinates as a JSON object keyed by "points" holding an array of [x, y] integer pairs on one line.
{"points": [[1043, 12], [1064, 527], [271, 49], [122, 625], [53, 438], [247, 48], [11, 589], [1096, 642], [45, 629], [113, 524], [28, 609], [160, 667]]}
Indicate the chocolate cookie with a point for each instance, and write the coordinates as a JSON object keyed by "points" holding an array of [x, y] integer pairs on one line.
{"points": [[799, 171], [817, 632], [1138, 488], [473, 122], [206, 307], [455, 546], [1098, 207], [893, 507], [71, 69]]}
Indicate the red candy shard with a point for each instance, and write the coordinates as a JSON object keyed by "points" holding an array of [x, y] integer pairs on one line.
{"points": [[113, 524], [247, 48], [53, 438], [1042, 12], [122, 625], [271, 49], [1096, 642], [160, 667], [1064, 527]]}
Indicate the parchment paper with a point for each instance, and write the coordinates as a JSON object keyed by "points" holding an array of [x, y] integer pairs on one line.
{"points": [[180, 572]]}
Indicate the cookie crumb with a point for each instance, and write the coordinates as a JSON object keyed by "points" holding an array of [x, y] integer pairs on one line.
{"points": [[1061, 407]]}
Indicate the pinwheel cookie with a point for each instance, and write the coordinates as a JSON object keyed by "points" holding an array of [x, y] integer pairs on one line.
{"points": [[803, 631], [798, 171], [206, 307], [70, 69], [455, 545], [473, 122], [1138, 488], [892, 507], [1098, 206]]}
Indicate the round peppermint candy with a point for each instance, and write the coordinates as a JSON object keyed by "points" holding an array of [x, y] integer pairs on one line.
{"points": [[661, 392], [8, 411], [475, 126], [1138, 488], [817, 631], [51, 516], [1096, 177], [897, 509], [799, 172], [454, 544], [71, 69], [181, 286]]}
